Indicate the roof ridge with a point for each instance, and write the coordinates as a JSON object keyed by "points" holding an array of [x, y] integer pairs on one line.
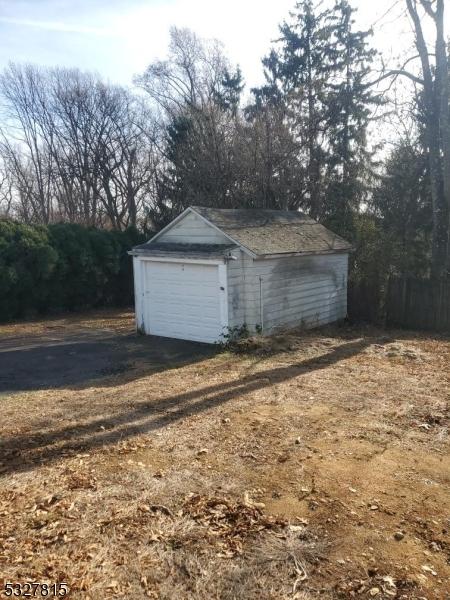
{"points": [[265, 232]]}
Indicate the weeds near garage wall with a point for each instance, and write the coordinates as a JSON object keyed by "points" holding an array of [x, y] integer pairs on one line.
{"points": [[63, 267], [231, 339], [241, 339], [238, 332], [140, 330]]}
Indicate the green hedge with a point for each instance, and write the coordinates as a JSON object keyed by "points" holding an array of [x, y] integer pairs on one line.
{"points": [[63, 267]]}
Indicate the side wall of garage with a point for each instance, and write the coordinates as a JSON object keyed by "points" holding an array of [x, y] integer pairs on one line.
{"points": [[241, 298], [139, 293], [287, 292]]}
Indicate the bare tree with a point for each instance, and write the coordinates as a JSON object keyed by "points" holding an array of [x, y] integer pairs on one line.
{"points": [[22, 148], [271, 157], [6, 192], [437, 129], [433, 85], [74, 147], [127, 157], [190, 77], [197, 98]]}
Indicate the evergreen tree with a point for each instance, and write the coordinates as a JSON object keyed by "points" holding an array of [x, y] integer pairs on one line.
{"points": [[401, 202], [350, 102], [318, 72], [228, 96], [296, 74]]}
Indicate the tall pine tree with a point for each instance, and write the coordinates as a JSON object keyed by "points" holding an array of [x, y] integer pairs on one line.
{"points": [[296, 74], [350, 102], [318, 71]]}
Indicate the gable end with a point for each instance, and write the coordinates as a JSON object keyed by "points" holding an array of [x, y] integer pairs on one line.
{"points": [[190, 227]]}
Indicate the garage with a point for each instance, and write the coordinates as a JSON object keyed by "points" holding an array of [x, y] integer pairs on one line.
{"points": [[183, 300], [214, 272]]}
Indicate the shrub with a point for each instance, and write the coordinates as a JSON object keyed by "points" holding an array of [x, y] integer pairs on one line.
{"points": [[27, 262], [63, 267]]}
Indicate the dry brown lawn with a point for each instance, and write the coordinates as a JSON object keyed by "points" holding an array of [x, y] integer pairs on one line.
{"points": [[311, 465]]}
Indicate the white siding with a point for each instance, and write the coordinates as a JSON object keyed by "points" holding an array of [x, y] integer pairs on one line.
{"points": [[138, 293], [192, 229], [185, 299], [286, 292], [240, 289]]}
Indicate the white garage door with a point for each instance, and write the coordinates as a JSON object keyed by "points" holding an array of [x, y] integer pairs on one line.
{"points": [[183, 300]]}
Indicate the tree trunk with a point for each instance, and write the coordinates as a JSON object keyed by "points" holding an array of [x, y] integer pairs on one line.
{"points": [[442, 89], [437, 130]]}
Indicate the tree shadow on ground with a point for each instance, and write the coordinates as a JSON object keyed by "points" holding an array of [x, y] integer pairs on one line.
{"points": [[44, 447]]}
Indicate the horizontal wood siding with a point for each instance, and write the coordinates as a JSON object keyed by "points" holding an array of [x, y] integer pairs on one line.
{"points": [[138, 293], [240, 298], [192, 229], [287, 292]]}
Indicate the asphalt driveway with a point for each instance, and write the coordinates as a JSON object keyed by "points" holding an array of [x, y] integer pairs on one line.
{"points": [[71, 356]]}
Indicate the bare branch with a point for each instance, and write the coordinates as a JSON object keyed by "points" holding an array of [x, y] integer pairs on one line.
{"points": [[394, 73]]}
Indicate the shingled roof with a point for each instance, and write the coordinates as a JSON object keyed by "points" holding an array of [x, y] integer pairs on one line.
{"points": [[267, 232], [188, 250], [260, 232]]}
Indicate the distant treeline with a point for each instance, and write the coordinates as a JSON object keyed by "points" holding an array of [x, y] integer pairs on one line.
{"points": [[334, 130], [63, 266]]}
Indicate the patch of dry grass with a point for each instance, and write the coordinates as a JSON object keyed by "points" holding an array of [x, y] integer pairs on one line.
{"points": [[273, 474], [95, 319]]}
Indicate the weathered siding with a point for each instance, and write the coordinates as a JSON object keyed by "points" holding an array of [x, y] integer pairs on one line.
{"points": [[286, 292], [138, 293], [192, 229], [240, 290]]}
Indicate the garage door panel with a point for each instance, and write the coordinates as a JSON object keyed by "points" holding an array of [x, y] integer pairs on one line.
{"points": [[176, 272], [183, 301], [190, 331], [189, 316], [175, 283], [173, 295], [188, 287], [187, 297], [189, 313], [189, 321]]}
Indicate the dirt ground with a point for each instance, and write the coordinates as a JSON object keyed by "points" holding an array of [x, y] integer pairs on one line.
{"points": [[312, 465]]}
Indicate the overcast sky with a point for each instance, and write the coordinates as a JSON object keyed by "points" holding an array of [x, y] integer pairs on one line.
{"points": [[118, 38]]}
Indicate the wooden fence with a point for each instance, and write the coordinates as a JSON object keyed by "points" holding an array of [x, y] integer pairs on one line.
{"points": [[418, 304]]}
